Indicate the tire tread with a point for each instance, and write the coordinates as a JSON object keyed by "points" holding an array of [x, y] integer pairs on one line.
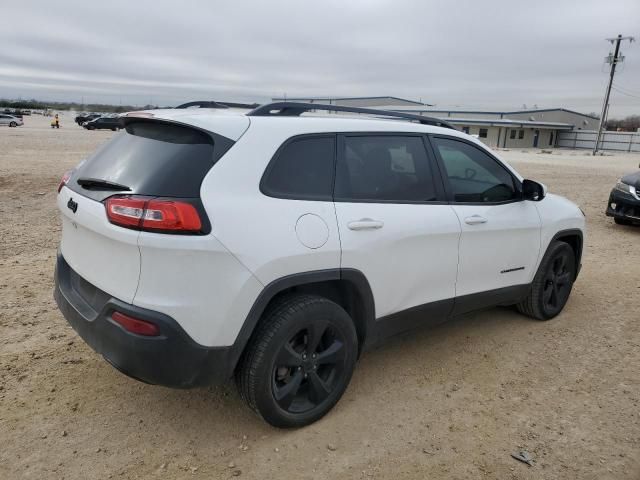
{"points": [[530, 306], [275, 316]]}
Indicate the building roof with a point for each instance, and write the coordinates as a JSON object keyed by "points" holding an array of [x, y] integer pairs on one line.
{"points": [[554, 110], [392, 100], [503, 112], [509, 122]]}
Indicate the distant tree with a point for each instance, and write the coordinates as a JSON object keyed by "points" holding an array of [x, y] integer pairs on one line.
{"points": [[627, 124], [39, 105]]}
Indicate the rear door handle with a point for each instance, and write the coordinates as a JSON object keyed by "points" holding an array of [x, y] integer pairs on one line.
{"points": [[365, 224], [475, 220]]}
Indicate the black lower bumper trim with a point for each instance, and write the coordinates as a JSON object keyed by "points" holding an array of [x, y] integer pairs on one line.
{"points": [[172, 359], [626, 206]]}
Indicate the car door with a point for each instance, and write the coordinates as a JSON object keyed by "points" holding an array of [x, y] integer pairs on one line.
{"points": [[396, 227], [4, 120], [500, 239]]}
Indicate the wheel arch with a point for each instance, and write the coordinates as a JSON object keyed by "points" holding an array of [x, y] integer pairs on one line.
{"points": [[573, 237], [348, 288]]}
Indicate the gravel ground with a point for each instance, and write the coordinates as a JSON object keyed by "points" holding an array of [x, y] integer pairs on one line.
{"points": [[450, 402]]}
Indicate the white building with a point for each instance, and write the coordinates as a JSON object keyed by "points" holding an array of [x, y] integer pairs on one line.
{"points": [[536, 128]]}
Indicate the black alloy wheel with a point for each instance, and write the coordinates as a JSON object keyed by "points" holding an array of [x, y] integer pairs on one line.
{"points": [[299, 361], [557, 282], [308, 367], [552, 283]]}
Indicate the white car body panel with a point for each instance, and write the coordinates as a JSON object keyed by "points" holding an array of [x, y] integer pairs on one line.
{"points": [[557, 214], [196, 281], [103, 254], [491, 252], [223, 122], [410, 260]]}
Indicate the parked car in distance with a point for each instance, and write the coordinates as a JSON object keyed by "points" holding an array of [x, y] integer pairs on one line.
{"points": [[275, 247], [103, 123], [86, 117], [624, 200], [13, 113], [10, 120]]}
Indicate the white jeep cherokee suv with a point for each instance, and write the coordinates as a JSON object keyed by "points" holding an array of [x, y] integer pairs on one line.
{"points": [[202, 244]]}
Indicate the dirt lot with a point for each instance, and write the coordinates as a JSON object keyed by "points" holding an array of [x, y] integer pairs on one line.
{"points": [[451, 402]]}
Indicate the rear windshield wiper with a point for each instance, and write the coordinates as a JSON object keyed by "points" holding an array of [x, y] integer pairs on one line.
{"points": [[97, 184]]}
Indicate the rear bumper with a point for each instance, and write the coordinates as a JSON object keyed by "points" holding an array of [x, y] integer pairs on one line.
{"points": [[172, 359], [627, 207]]}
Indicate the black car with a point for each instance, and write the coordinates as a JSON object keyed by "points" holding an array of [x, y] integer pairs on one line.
{"points": [[86, 117], [103, 123], [624, 200]]}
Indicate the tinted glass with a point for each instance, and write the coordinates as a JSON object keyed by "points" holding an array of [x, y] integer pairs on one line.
{"points": [[151, 158], [384, 168], [473, 175], [302, 169]]}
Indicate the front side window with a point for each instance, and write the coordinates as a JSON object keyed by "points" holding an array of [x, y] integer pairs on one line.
{"points": [[474, 177], [384, 168], [302, 169]]}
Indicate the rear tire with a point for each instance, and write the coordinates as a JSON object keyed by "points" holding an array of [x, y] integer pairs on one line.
{"points": [[552, 284], [299, 361]]}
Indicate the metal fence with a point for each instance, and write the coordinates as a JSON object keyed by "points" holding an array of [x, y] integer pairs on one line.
{"points": [[618, 141]]}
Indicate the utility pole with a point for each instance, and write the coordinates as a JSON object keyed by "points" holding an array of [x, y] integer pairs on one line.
{"points": [[613, 60]]}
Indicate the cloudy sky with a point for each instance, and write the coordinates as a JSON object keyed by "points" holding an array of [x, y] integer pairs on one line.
{"points": [[473, 54]]}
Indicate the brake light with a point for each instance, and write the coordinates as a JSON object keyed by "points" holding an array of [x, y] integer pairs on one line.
{"points": [[64, 180], [135, 325], [143, 213]]}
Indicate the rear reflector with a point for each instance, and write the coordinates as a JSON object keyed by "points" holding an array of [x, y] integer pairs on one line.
{"points": [[142, 213], [135, 325]]}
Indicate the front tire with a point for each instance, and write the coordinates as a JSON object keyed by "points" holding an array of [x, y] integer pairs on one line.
{"points": [[13, 124], [299, 362], [552, 284]]}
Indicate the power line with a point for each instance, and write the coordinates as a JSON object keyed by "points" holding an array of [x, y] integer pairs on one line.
{"points": [[626, 89], [625, 93], [613, 59]]}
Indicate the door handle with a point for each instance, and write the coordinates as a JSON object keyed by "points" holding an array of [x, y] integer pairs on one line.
{"points": [[475, 220], [365, 224]]}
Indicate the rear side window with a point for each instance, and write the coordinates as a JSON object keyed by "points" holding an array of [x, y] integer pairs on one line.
{"points": [[153, 158], [302, 169], [384, 168]]}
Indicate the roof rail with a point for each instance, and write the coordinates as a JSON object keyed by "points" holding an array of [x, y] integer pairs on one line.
{"points": [[294, 109], [214, 104], [203, 104]]}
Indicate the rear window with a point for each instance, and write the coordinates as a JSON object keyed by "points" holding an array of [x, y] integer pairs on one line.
{"points": [[153, 158], [302, 169]]}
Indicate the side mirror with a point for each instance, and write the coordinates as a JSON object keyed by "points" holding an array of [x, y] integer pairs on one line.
{"points": [[533, 191]]}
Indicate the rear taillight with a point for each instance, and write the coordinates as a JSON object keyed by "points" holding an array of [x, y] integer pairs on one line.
{"points": [[65, 178], [164, 215], [135, 325]]}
